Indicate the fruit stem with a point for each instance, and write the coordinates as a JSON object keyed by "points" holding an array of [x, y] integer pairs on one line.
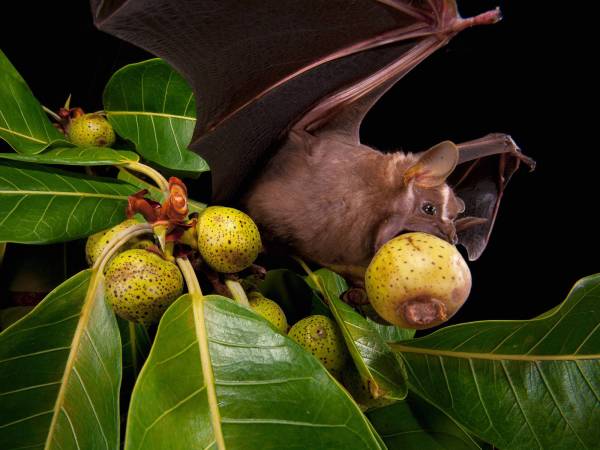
{"points": [[154, 175], [189, 275], [238, 293], [118, 241], [315, 279], [52, 113]]}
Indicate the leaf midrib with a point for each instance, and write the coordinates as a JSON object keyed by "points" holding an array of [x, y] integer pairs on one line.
{"points": [[64, 194], [147, 113], [24, 136], [490, 356], [86, 310]]}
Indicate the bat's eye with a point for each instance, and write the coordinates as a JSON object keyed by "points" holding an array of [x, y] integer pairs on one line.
{"points": [[428, 208]]}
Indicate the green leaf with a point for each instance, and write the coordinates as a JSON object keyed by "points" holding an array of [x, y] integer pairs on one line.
{"points": [[23, 123], [152, 105], [271, 393], [521, 384], [392, 333], [375, 361], [41, 205], [415, 424], [60, 370], [291, 292], [77, 156]]}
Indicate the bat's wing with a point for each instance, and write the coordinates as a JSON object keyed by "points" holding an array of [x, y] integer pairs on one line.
{"points": [[485, 167], [259, 67]]}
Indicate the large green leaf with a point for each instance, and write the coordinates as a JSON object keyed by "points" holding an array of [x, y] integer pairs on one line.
{"points": [[271, 393], [23, 123], [415, 424], [77, 156], [153, 106], [41, 205], [374, 360], [60, 370], [519, 384]]}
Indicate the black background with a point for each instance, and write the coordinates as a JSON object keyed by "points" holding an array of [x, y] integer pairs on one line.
{"points": [[526, 76]]}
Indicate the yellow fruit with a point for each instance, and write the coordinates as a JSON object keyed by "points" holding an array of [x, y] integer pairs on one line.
{"points": [[228, 239], [417, 280], [140, 285], [91, 130], [321, 336], [269, 310], [96, 242]]}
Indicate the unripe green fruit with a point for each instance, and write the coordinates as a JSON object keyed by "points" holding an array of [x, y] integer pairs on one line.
{"points": [[321, 336], [417, 280], [141, 285], [96, 242], [269, 310], [91, 130], [228, 239]]}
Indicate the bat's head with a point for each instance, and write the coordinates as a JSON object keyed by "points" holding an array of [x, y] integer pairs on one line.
{"points": [[424, 201]]}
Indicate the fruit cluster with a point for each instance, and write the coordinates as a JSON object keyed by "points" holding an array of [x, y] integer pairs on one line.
{"points": [[415, 280]]}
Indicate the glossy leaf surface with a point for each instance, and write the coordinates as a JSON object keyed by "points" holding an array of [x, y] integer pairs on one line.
{"points": [[414, 424], [271, 393], [77, 156], [60, 370], [151, 105], [40, 204], [23, 123], [519, 384]]}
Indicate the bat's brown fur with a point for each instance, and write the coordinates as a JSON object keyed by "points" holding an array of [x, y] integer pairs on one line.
{"points": [[336, 203]]}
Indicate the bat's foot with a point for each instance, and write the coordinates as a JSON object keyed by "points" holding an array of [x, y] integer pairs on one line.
{"points": [[355, 296], [486, 18]]}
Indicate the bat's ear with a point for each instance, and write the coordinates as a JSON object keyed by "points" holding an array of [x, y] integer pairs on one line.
{"points": [[433, 166]]}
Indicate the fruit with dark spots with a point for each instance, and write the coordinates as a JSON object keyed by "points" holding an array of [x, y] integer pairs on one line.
{"points": [[321, 336], [228, 239], [96, 243], [268, 309], [91, 130], [140, 285], [417, 280]]}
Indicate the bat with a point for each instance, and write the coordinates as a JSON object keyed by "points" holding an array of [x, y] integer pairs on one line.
{"points": [[283, 88]]}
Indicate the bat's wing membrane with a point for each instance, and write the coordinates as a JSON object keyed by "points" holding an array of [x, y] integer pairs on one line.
{"points": [[257, 67], [485, 168]]}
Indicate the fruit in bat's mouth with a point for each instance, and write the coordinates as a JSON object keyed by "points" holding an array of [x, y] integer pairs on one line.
{"points": [[417, 280]]}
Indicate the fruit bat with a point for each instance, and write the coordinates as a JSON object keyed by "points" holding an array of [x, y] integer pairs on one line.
{"points": [[282, 89]]}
